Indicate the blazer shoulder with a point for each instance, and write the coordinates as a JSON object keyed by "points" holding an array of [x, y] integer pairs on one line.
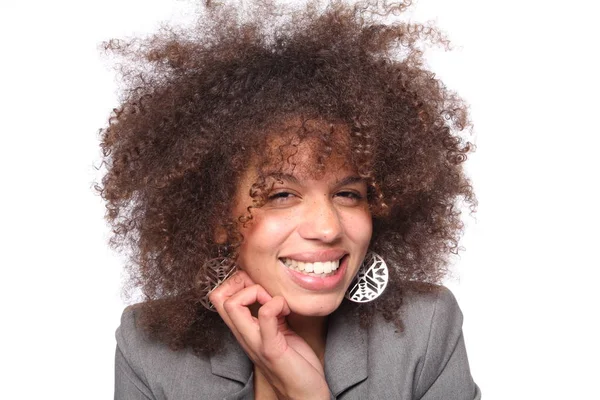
{"points": [[129, 336], [432, 307], [443, 366], [153, 363], [426, 315], [137, 345], [147, 357], [127, 327], [175, 374], [427, 356], [132, 343]]}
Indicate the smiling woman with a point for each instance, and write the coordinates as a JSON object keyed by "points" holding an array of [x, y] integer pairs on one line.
{"points": [[256, 168], [308, 239]]}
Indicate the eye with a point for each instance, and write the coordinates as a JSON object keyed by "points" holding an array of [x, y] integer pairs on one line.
{"points": [[281, 197], [349, 197]]}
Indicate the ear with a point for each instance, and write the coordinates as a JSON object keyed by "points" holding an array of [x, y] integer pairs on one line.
{"points": [[220, 235]]}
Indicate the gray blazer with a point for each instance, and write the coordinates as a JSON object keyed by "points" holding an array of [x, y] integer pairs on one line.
{"points": [[426, 361]]}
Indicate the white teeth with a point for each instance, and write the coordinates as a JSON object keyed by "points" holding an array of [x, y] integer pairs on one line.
{"points": [[317, 268]]}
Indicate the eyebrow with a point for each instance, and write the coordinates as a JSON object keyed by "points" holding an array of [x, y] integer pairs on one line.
{"points": [[349, 180], [284, 177]]}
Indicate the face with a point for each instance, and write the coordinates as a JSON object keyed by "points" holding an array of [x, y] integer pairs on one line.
{"points": [[309, 239]]}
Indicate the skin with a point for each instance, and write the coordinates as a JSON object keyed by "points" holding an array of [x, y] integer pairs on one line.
{"points": [[306, 215]]}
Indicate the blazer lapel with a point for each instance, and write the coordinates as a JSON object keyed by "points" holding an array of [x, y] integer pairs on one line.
{"points": [[346, 355], [231, 362]]}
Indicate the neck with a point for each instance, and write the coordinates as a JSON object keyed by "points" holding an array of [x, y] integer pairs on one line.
{"points": [[312, 329]]}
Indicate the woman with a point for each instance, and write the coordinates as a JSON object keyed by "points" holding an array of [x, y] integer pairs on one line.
{"points": [[268, 171]]}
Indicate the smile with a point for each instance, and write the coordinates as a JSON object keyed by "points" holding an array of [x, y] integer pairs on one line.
{"points": [[319, 268], [313, 275]]}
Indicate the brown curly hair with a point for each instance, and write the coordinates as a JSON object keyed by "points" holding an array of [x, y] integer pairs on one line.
{"points": [[198, 103]]}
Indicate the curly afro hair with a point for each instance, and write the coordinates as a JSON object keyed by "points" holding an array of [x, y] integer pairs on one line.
{"points": [[199, 102]]}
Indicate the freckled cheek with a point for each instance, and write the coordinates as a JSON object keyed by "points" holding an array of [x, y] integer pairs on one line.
{"points": [[359, 227], [267, 233], [264, 239]]}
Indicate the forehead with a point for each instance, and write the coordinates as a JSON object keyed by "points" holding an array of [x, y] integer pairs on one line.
{"points": [[306, 149]]}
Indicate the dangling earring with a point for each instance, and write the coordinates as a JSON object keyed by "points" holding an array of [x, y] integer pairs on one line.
{"points": [[370, 281], [212, 274]]}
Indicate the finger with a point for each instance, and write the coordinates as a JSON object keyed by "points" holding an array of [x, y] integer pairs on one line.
{"points": [[237, 309], [272, 323], [241, 322], [238, 281]]}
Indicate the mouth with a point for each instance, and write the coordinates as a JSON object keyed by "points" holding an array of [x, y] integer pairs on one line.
{"points": [[319, 269]]}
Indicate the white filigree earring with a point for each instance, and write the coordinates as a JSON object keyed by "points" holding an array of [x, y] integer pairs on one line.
{"points": [[370, 281], [212, 274]]}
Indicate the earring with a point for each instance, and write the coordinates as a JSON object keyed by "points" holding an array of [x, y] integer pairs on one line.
{"points": [[212, 274], [370, 281]]}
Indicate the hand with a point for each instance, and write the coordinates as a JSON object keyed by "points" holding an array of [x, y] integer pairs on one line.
{"points": [[286, 360]]}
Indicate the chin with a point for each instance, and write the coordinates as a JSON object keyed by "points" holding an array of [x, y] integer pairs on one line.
{"points": [[316, 305]]}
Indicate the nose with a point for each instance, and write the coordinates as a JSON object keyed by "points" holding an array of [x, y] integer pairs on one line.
{"points": [[321, 221]]}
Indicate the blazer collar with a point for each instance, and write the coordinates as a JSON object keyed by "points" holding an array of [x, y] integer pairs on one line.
{"points": [[346, 356]]}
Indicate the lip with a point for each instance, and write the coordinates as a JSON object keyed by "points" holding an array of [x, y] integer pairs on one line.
{"points": [[316, 283], [315, 256]]}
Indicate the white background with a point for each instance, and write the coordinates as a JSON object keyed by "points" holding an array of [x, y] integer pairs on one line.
{"points": [[527, 282]]}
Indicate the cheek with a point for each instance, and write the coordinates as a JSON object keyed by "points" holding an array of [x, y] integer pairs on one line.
{"points": [[263, 240], [359, 228], [264, 234]]}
